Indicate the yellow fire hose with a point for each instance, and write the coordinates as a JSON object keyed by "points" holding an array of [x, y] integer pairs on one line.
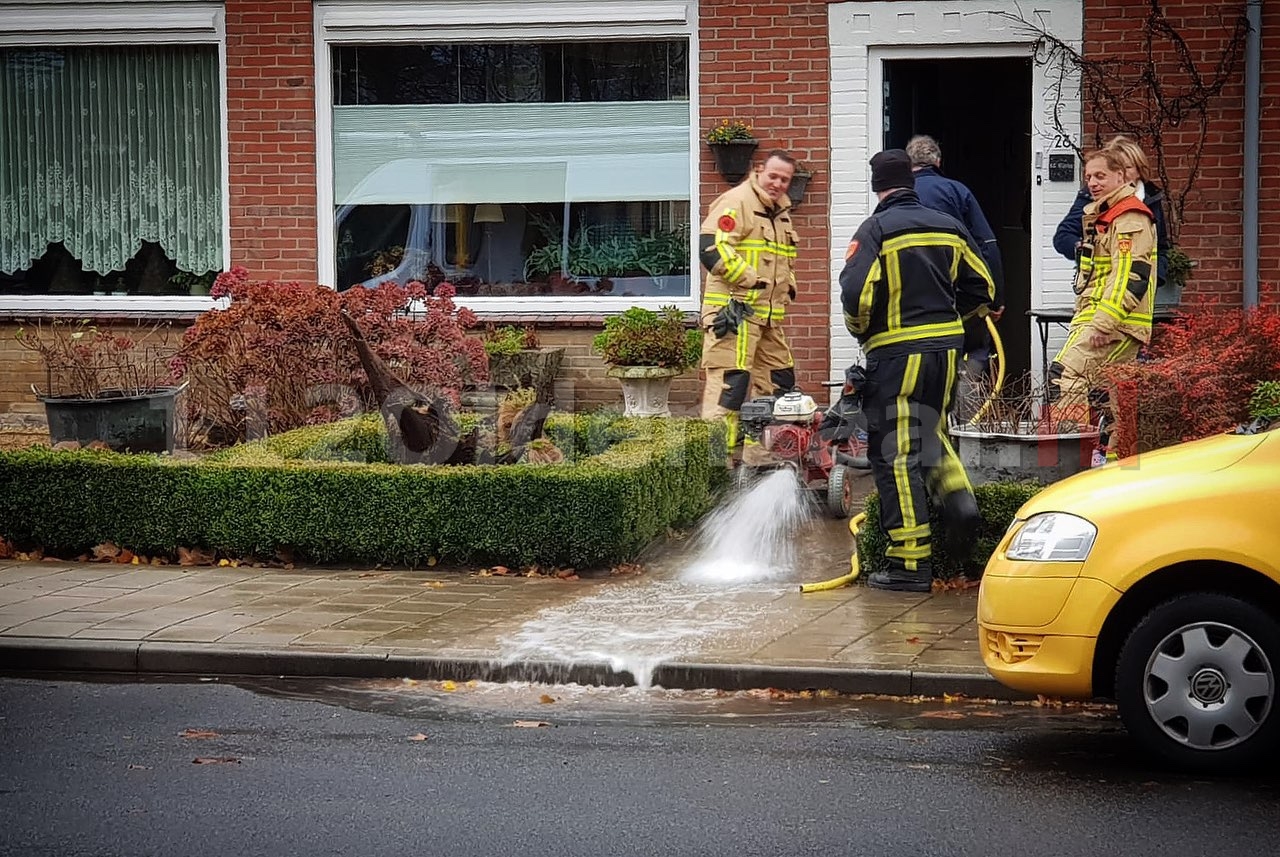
{"points": [[855, 523]]}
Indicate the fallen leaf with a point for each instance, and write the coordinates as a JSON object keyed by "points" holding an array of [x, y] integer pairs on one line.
{"points": [[418, 737], [546, 699], [943, 715], [432, 560], [986, 714], [105, 551], [913, 639], [215, 760], [484, 572], [378, 574], [448, 686], [473, 683], [411, 682], [198, 733], [626, 568], [530, 724], [499, 570], [435, 584], [124, 557], [6, 548], [194, 556], [567, 574]]}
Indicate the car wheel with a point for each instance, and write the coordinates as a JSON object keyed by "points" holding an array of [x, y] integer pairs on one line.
{"points": [[1196, 682]]}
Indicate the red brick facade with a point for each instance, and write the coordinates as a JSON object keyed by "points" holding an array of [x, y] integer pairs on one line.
{"points": [[1212, 232], [271, 117], [767, 65]]}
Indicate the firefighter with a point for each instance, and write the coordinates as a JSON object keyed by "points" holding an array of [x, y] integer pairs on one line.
{"points": [[911, 273], [748, 247], [1115, 288]]}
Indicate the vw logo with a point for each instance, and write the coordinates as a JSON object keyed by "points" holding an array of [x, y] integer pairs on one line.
{"points": [[1208, 686]]}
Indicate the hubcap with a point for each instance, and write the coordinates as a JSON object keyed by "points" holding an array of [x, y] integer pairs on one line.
{"points": [[1209, 686]]}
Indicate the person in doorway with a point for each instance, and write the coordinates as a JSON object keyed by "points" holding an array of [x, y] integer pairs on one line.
{"points": [[1115, 288], [910, 273], [747, 245], [1068, 238], [938, 192]]}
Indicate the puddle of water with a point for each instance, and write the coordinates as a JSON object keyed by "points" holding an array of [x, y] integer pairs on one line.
{"points": [[747, 543]]}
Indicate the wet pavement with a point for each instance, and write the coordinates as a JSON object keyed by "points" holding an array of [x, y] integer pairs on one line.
{"points": [[653, 628]]}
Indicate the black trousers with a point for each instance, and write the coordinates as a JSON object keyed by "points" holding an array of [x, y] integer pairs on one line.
{"points": [[907, 400]]}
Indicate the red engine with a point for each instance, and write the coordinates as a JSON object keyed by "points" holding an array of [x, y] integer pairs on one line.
{"points": [[800, 444]]}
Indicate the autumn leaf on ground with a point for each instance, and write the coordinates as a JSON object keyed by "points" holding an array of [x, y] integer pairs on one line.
{"points": [[215, 760], [105, 552], [6, 548], [499, 570], [913, 639], [546, 699], [124, 557], [378, 574], [566, 574], [409, 682], [983, 713], [418, 737], [432, 560], [194, 556], [943, 715], [625, 569], [198, 733], [434, 584], [530, 724], [448, 686]]}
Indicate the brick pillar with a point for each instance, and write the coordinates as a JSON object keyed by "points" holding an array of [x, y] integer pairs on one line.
{"points": [[272, 137], [769, 66]]}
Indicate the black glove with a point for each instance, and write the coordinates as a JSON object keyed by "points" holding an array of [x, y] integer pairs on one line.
{"points": [[855, 378], [730, 318]]}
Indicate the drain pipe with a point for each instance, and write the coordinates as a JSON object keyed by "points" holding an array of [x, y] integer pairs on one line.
{"points": [[1252, 104]]}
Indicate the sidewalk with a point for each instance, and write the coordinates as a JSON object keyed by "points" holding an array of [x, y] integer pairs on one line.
{"points": [[449, 625]]}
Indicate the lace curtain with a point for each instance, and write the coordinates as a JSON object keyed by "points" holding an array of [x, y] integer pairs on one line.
{"points": [[105, 147]]}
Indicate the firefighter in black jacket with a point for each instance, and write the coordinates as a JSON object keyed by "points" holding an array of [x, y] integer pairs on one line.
{"points": [[911, 274]]}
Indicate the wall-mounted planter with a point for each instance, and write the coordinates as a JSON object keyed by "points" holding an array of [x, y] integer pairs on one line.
{"points": [[799, 182], [733, 159]]}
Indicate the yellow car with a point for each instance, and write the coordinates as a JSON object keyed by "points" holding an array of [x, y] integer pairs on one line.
{"points": [[1153, 581]]}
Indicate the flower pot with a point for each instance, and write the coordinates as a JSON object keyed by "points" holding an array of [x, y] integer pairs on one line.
{"points": [[733, 159], [124, 422], [645, 389], [990, 456]]}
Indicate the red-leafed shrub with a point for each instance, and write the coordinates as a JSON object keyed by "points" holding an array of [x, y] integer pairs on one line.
{"points": [[1198, 376], [279, 357]]}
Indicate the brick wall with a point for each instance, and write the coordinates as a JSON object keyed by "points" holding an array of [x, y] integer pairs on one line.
{"points": [[767, 64], [1212, 231], [272, 137]]}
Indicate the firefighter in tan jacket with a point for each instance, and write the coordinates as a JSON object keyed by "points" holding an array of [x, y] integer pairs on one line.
{"points": [[1115, 288], [748, 247]]}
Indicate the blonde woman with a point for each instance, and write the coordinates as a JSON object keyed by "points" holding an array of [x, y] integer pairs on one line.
{"points": [[1070, 232], [1115, 286]]}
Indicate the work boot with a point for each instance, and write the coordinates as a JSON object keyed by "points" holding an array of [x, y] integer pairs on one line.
{"points": [[901, 581], [962, 522]]}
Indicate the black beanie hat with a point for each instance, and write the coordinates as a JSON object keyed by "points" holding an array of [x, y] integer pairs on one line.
{"points": [[891, 168]]}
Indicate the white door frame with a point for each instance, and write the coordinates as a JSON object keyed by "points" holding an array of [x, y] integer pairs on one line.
{"points": [[863, 35]]}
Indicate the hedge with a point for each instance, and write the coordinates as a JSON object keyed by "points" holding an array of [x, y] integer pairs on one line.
{"points": [[625, 482], [997, 501]]}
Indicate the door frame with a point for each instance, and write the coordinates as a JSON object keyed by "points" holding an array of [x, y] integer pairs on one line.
{"points": [[863, 35]]}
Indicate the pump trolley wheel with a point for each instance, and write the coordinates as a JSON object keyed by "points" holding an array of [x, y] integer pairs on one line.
{"points": [[840, 491]]}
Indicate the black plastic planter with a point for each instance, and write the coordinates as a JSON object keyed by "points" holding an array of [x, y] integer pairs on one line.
{"points": [[733, 159], [125, 423]]}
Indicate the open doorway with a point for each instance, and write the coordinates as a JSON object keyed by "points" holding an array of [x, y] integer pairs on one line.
{"points": [[979, 111]]}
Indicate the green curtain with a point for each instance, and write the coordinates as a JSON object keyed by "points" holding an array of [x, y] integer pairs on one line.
{"points": [[104, 147]]}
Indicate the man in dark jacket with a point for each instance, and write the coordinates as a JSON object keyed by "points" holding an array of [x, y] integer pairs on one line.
{"points": [[910, 274], [938, 192]]}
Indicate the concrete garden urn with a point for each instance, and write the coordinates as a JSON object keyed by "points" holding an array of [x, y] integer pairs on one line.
{"points": [[645, 389]]}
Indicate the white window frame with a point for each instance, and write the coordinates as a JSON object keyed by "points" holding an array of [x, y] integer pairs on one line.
{"points": [[175, 22], [490, 21], [863, 35]]}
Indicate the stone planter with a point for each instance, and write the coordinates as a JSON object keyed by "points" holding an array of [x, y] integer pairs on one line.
{"points": [[124, 422], [1008, 456], [645, 389]]}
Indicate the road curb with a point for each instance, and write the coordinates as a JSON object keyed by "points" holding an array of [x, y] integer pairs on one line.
{"points": [[40, 654]]}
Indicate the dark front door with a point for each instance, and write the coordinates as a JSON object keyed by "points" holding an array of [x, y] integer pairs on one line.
{"points": [[979, 111]]}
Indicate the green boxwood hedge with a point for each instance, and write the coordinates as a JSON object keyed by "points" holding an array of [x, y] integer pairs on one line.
{"points": [[325, 494], [997, 501]]}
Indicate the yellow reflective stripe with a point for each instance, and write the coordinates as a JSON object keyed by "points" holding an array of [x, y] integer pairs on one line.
{"points": [[910, 550], [741, 355], [1118, 352], [867, 298], [955, 265], [1121, 282], [911, 334], [716, 299], [893, 283], [922, 239], [851, 324], [900, 534], [902, 434]]}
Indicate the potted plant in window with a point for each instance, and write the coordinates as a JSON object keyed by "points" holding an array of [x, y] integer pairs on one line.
{"points": [[106, 387], [733, 146], [645, 350]]}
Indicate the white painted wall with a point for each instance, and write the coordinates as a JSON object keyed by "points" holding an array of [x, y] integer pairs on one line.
{"points": [[862, 36]]}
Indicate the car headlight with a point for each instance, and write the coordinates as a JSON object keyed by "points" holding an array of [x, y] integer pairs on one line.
{"points": [[1053, 537]]}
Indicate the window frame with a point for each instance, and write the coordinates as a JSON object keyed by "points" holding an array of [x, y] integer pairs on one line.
{"points": [[172, 22], [339, 22]]}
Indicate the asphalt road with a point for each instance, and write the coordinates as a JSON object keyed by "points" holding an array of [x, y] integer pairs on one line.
{"points": [[367, 768]]}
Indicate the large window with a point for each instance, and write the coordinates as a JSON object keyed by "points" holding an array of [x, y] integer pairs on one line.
{"points": [[110, 169], [514, 168]]}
